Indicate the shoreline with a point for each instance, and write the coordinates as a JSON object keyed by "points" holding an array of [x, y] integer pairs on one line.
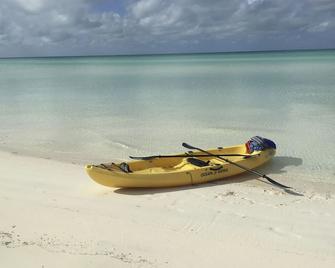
{"points": [[53, 214], [276, 168]]}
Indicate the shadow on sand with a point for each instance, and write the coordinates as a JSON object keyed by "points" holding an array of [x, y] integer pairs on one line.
{"points": [[276, 166]]}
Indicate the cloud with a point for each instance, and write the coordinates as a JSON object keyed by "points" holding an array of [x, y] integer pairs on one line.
{"points": [[31, 5], [48, 27], [146, 8]]}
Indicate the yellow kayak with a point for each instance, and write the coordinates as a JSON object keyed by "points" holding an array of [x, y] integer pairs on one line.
{"points": [[182, 169]]}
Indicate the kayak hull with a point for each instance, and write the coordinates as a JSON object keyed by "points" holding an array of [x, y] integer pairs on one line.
{"points": [[172, 172]]}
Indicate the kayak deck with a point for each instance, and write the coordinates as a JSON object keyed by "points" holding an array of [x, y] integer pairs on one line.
{"points": [[182, 166]]}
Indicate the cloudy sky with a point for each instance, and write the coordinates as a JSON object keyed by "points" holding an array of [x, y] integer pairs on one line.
{"points": [[99, 27]]}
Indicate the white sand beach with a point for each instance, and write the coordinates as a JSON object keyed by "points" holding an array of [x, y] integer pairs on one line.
{"points": [[53, 215]]}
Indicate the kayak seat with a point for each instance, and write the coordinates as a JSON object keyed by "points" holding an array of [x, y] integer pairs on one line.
{"points": [[197, 162], [125, 167]]}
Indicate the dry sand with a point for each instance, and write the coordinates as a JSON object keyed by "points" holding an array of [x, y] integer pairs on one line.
{"points": [[53, 215]]}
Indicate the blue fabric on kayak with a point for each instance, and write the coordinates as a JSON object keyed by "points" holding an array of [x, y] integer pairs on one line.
{"points": [[258, 143]]}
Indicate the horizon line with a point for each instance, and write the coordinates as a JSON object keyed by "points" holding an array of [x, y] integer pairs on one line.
{"points": [[169, 54]]}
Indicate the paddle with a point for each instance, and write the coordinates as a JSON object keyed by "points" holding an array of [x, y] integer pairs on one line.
{"points": [[186, 155], [238, 165]]}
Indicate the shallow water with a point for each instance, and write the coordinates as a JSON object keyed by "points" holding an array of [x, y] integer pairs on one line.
{"points": [[93, 109]]}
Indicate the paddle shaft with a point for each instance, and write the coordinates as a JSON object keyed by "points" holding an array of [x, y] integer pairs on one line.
{"points": [[238, 165], [186, 155]]}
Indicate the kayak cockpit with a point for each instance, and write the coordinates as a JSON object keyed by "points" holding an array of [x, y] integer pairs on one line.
{"points": [[158, 166]]}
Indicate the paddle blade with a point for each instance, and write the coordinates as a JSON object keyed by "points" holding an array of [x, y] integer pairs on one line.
{"points": [[184, 144], [276, 183]]}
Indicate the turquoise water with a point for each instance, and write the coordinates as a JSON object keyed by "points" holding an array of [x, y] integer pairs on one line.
{"points": [[93, 109]]}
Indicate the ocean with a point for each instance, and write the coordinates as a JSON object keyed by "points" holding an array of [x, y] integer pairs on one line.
{"points": [[98, 109]]}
